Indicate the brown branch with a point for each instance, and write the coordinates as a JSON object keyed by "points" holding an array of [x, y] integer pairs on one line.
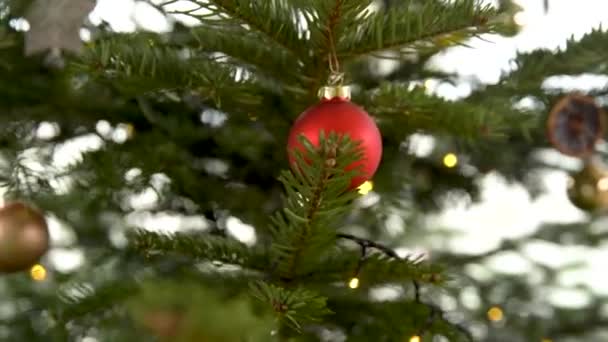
{"points": [[365, 243]]}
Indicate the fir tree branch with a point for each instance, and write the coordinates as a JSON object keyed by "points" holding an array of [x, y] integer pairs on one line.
{"points": [[364, 243], [436, 313], [416, 27], [200, 247], [81, 299], [391, 320], [398, 108], [374, 269], [579, 56], [316, 197], [293, 307], [431, 277], [245, 49], [533, 68], [272, 19], [136, 64]]}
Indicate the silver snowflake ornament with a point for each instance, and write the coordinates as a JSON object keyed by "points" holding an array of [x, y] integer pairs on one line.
{"points": [[55, 25]]}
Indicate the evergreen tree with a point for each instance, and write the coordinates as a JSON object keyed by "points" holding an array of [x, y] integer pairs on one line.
{"points": [[198, 119]]}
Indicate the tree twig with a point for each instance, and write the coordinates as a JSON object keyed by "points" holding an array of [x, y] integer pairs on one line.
{"points": [[368, 243], [435, 311]]}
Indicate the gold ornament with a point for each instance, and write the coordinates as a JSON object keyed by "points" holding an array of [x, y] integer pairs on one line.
{"points": [[588, 188], [24, 237]]}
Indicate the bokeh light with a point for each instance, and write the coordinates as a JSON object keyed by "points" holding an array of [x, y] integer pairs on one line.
{"points": [[495, 314], [415, 338], [602, 184], [353, 283], [38, 272], [450, 160], [366, 187]]}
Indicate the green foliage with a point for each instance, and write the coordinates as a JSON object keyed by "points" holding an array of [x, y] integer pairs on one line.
{"points": [[379, 268], [201, 313], [259, 64], [389, 319], [274, 20], [79, 299], [316, 197], [199, 247], [526, 81], [376, 269], [138, 64], [293, 307], [579, 56], [241, 47], [412, 27], [405, 110], [268, 39]]}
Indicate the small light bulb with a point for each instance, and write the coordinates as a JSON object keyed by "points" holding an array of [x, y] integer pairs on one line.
{"points": [[450, 160], [366, 187], [495, 314], [353, 283], [415, 338], [38, 272]]}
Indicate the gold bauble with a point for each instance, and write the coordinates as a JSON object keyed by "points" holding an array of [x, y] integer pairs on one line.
{"points": [[24, 237], [588, 188]]}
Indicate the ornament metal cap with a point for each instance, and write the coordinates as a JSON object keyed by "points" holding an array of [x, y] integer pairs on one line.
{"points": [[330, 92]]}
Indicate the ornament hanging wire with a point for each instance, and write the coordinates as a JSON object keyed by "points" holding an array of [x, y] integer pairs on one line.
{"points": [[336, 77], [335, 80]]}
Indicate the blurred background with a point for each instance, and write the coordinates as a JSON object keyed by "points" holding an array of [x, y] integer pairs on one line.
{"points": [[518, 234], [507, 210]]}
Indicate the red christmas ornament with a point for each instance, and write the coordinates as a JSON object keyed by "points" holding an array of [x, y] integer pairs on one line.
{"points": [[335, 113]]}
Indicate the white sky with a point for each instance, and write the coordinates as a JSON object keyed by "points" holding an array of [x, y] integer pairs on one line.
{"points": [[506, 210]]}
